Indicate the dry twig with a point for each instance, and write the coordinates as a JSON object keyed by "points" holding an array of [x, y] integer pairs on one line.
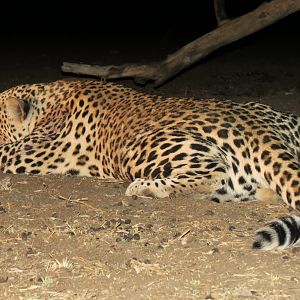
{"points": [[78, 201]]}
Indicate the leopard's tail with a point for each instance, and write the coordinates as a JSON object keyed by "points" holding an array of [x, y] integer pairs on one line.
{"points": [[278, 234]]}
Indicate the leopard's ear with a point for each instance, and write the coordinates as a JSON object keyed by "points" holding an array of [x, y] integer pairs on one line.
{"points": [[16, 109]]}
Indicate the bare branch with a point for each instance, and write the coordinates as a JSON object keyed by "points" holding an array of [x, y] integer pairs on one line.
{"points": [[220, 11], [233, 30]]}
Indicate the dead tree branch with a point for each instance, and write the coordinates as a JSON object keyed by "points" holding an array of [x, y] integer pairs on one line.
{"points": [[220, 11], [159, 72]]}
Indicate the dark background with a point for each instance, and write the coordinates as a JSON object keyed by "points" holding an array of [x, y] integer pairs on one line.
{"points": [[118, 18], [38, 36]]}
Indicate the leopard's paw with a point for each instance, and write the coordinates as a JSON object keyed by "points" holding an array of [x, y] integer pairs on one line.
{"points": [[147, 188]]}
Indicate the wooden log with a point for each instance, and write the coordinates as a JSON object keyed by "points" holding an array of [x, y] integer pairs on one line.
{"points": [[159, 72]]}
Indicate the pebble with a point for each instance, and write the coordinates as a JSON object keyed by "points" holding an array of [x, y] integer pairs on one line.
{"points": [[3, 279], [136, 237], [96, 228], [54, 215], [30, 251], [209, 213], [231, 227], [149, 226], [216, 228], [209, 297], [128, 237], [25, 235], [215, 250]]}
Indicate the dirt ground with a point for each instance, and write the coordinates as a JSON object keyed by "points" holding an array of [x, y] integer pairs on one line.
{"points": [[80, 238]]}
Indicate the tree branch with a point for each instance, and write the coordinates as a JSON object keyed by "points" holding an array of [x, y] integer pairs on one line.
{"points": [[220, 11], [159, 72]]}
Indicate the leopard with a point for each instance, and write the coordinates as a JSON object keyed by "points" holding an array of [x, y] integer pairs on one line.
{"points": [[222, 150]]}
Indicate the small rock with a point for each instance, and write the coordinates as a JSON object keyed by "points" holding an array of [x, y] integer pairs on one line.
{"points": [[254, 293], [3, 279], [253, 214], [54, 215], [128, 237], [231, 227], [209, 297], [96, 228], [136, 237], [209, 213], [214, 250], [216, 228], [112, 221], [149, 226], [25, 235], [30, 251], [2, 209]]}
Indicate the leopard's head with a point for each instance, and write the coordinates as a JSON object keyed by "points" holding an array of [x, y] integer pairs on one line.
{"points": [[14, 118]]}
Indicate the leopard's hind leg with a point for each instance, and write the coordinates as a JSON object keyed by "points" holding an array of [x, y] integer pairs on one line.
{"points": [[199, 166], [181, 184]]}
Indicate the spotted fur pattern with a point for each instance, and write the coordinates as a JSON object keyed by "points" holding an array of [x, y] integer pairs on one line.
{"points": [[165, 146]]}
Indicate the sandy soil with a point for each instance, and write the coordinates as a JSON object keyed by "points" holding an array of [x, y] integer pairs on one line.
{"points": [[81, 238]]}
